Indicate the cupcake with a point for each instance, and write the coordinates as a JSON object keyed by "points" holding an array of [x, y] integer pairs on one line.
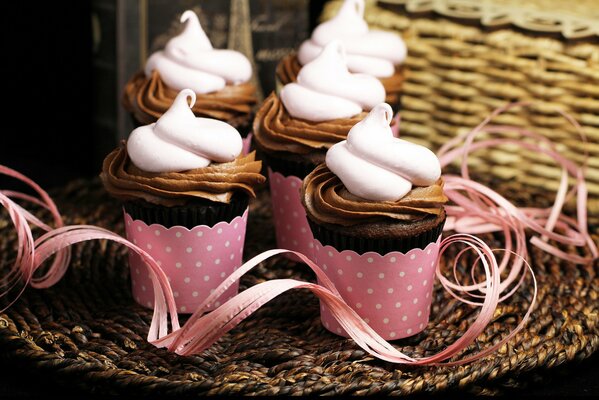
{"points": [[219, 78], [293, 131], [373, 52], [185, 190], [376, 211]]}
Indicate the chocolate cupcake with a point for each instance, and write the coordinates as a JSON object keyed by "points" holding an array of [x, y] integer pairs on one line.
{"points": [[347, 222], [375, 192], [377, 53], [376, 210], [220, 79], [185, 190], [182, 170]]}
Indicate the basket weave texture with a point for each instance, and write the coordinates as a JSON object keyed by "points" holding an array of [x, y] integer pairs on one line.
{"points": [[469, 57], [88, 332]]}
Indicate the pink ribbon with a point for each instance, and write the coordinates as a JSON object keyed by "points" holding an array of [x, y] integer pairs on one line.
{"points": [[484, 210], [32, 254], [474, 209]]}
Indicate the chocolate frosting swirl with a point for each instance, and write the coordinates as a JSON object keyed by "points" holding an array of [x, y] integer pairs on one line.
{"points": [[217, 182], [327, 201], [289, 67], [147, 99], [276, 130]]}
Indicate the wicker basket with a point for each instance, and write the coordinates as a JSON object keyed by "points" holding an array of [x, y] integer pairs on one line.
{"points": [[468, 57]]}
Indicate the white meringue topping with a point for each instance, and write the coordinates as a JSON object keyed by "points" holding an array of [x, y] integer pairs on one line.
{"points": [[375, 165], [180, 141], [189, 61], [326, 90], [372, 52]]}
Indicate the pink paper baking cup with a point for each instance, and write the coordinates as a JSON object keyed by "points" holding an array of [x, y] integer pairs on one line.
{"points": [[391, 292], [395, 126], [247, 143], [291, 224], [195, 260]]}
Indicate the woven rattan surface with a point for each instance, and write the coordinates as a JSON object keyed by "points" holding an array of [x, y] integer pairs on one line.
{"points": [[88, 332], [459, 70]]}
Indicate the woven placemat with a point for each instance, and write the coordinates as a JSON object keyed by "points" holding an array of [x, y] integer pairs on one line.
{"points": [[88, 332]]}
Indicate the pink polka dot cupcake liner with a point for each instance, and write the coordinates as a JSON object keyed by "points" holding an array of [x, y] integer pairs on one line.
{"points": [[246, 144], [291, 224], [195, 260], [391, 292]]}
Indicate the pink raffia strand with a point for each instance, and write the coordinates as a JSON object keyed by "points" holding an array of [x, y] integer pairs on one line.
{"points": [[472, 214], [203, 329], [31, 253], [164, 303], [475, 209], [22, 269]]}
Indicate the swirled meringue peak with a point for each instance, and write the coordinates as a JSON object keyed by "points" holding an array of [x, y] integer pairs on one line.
{"points": [[375, 165], [326, 90], [373, 52], [189, 61], [180, 141]]}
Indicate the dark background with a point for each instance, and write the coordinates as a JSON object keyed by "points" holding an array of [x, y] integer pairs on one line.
{"points": [[46, 66], [47, 134]]}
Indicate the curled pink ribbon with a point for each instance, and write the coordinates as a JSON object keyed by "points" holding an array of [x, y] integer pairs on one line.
{"points": [[475, 209]]}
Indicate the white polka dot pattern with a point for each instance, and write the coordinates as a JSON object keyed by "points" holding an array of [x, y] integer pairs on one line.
{"points": [[391, 291], [291, 225], [195, 261]]}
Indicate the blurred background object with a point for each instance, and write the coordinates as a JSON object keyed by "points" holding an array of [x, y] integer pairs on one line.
{"points": [[66, 66], [261, 29]]}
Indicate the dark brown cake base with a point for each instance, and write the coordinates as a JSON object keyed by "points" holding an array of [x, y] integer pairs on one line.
{"points": [[200, 212], [380, 237], [290, 164]]}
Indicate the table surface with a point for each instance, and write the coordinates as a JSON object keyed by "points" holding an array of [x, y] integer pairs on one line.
{"points": [[573, 379]]}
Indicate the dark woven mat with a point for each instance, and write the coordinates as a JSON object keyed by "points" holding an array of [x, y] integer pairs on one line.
{"points": [[89, 333]]}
